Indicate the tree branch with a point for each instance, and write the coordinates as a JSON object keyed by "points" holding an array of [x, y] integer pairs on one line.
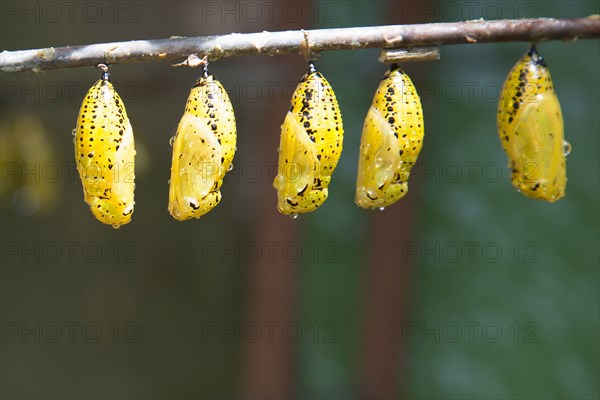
{"points": [[273, 43]]}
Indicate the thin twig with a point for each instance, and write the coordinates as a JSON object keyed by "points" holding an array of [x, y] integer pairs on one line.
{"points": [[272, 43]]}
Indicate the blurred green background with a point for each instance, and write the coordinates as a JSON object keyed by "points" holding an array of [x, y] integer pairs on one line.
{"points": [[464, 289]]}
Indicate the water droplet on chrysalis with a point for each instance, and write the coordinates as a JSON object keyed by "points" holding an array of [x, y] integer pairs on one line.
{"points": [[279, 182], [230, 168], [294, 216], [567, 148], [171, 141]]}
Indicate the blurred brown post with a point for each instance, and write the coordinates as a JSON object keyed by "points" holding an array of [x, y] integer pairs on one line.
{"points": [[267, 369], [386, 301], [387, 295], [270, 282], [271, 299]]}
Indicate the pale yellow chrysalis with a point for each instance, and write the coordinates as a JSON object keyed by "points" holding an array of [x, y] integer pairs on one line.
{"points": [[531, 129], [310, 146], [391, 140], [203, 150]]}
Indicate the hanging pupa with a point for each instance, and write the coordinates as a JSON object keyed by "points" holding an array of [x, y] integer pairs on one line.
{"points": [[392, 138], [105, 153], [203, 149], [310, 146], [531, 129]]}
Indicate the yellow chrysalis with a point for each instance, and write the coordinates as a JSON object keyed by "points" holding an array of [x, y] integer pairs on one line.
{"points": [[531, 129], [310, 146], [391, 140], [203, 150], [105, 153]]}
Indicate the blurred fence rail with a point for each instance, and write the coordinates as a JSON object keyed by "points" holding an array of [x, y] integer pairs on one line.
{"points": [[285, 42]]}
